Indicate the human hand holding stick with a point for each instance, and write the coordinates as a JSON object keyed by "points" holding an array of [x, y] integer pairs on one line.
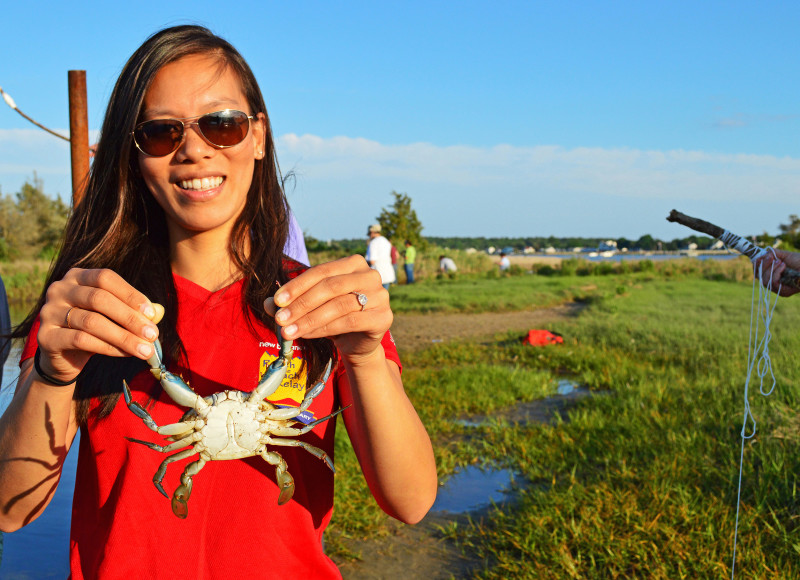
{"points": [[779, 261]]}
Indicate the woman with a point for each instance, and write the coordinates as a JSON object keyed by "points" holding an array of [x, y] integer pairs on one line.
{"points": [[184, 207]]}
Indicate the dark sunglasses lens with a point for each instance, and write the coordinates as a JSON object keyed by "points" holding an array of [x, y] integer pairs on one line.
{"points": [[224, 128], [159, 138]]}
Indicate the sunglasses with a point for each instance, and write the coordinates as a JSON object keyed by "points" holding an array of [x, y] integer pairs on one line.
{"points": [[221, 129]]}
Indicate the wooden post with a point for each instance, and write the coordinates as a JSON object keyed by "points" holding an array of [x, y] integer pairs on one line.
{"points": [[78, 133]]}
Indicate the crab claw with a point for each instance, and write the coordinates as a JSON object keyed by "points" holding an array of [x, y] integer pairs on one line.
{"points": [[275, 373], [180, 499], [286, 485], [156, 360]]}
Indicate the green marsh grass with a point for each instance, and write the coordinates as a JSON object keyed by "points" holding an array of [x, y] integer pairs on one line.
{"points": [[481, 294], [637, 483], [24, 280], [640, 481]]}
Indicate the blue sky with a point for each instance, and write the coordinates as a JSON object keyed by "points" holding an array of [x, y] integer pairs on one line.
{"points": [[497, 119]]}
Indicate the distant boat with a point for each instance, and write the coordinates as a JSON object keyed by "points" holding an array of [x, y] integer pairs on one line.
{"points": [[602, 254]]}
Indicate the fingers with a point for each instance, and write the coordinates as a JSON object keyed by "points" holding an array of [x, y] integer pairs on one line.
{"points": [[324, 301], [313, 276], [94, 312], [769, 270], [100, 333]]}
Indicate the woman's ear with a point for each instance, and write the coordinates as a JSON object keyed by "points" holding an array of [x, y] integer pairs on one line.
{"points": [[259, 128]]}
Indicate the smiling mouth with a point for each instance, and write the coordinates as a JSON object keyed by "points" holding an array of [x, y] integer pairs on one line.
{"points": [[201, 184]]}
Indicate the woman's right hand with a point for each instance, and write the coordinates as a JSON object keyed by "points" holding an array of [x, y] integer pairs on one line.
{"points": [[92, 312]]}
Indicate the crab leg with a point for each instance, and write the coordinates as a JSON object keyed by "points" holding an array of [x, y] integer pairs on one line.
{"points": [[162, 469], [274, 375], [292, 412], [282, 476], [141, 412], [292, 431], [180, 499], [175, 387], [315, 451], [188, 440]]}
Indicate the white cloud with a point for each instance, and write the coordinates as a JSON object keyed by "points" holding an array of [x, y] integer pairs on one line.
{"points": [[533, 190], [616, 172], [343, 183]]}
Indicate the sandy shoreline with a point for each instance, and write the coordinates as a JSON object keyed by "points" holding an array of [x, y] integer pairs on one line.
{"points": [[526, 261]]}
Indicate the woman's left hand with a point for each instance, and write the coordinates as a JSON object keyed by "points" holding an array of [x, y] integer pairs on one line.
{"points": [[772, 266], [323, 301]]}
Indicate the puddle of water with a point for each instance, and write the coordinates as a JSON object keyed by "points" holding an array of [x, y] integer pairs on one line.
{"points": [[473, 488], [541, 410], [566, 387], [474, 423]]}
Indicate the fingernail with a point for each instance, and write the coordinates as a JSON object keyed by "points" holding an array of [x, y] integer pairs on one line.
{"points": [[145, 350], [290, 330], [148, 310], [282, 315], [150, 332], [281, 298]]}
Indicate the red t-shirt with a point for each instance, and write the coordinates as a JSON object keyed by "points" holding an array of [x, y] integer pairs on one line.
{"points": [[122, 527]]}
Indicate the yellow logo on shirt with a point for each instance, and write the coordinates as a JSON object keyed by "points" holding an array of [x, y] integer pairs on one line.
{"points": [[293, 387]]}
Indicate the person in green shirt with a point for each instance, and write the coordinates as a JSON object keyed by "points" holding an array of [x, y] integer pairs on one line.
{"points": [[410, 256]]}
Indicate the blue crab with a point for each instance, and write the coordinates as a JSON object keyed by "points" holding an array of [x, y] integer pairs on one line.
{"points": [[229, 425]]}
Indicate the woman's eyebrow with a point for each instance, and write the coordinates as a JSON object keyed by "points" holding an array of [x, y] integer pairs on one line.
{"points": [[223, 103]]}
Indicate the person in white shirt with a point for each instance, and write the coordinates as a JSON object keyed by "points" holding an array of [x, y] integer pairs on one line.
{"points": [[379, 255], [446, 264], [505, 263]]}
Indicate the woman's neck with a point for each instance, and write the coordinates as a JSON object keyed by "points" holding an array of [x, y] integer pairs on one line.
{"points": [[204, 260]]}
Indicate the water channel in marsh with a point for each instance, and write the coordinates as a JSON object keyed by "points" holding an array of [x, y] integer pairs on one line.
{"points": [[40, 550]]}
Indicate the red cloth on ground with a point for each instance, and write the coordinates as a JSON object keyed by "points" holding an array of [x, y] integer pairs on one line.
{"points": [[542, 338]]}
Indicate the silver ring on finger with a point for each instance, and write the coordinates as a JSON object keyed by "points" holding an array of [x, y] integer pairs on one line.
{"points": [[362, 299], [67, 317]]}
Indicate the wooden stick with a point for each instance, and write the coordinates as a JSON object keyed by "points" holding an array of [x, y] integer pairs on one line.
{"points": [[789, 277]]}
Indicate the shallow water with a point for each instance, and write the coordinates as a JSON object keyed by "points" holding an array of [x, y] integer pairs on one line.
{"points": [[566, 387], [543, 410], [472, 488], [40, 550]]}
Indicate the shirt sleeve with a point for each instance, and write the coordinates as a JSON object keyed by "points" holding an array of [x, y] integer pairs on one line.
{"points": [[389, 349], [31, 344]]}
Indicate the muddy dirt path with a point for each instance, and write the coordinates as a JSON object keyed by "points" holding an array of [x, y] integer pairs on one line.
{"points": [[415, 331], [420, 551]]}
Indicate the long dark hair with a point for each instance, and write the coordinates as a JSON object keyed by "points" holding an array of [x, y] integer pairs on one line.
{"points": [[118, 225]]}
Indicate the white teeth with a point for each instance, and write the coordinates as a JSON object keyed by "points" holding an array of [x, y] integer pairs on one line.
{"points": [[201, 184]]}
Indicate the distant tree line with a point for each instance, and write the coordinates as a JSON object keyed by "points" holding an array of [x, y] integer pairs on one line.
{"points": [[31, 223], [646, 243], [399, 222]]}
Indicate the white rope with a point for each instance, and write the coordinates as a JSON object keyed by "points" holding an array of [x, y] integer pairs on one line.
{"points": [[758, 358], [741, 245], [10, 102]]}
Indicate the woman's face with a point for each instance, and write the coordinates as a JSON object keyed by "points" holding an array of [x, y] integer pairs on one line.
{"points": [[202, 189]]}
